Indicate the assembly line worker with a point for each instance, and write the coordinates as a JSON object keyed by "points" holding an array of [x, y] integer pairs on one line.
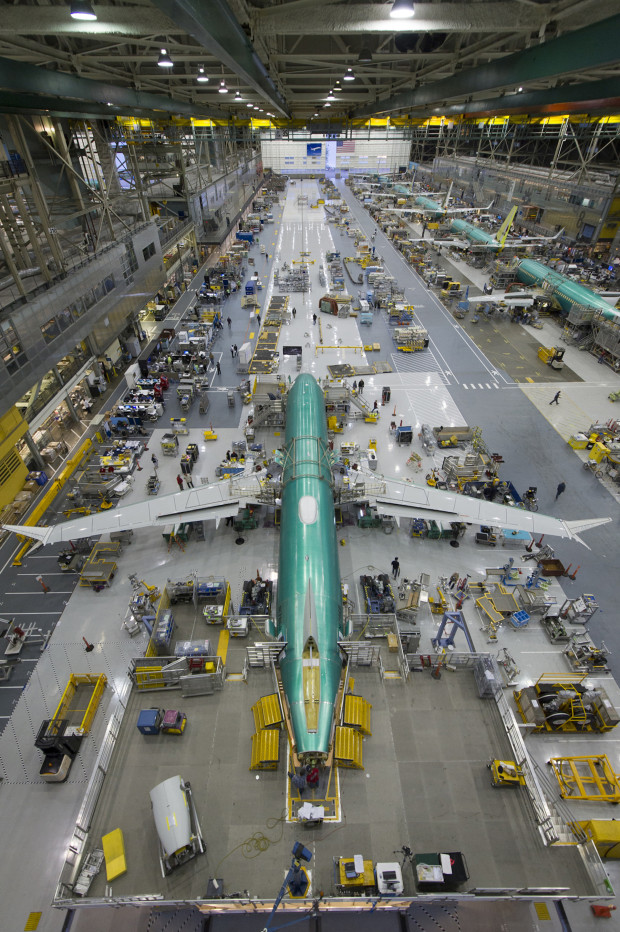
{"points": [[180, 482], [395, 568], [561, 488], [298, 780]]}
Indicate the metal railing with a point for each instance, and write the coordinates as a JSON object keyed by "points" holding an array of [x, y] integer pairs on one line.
{"points": [[77, 847]]}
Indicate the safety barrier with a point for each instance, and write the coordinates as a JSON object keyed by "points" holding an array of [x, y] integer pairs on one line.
{"points": [[41, 507]]}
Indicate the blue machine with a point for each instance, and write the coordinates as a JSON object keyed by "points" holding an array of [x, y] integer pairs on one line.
{"points": [[458, 624]]}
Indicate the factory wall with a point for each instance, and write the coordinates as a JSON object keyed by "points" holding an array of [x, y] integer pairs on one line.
{"points": [[349, 155], [94, 301]]}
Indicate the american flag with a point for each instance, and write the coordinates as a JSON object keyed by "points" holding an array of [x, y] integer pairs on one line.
{"points": [[346, 145]]}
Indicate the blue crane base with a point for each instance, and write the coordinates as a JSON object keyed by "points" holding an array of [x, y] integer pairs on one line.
{"points": [[458, 622]]}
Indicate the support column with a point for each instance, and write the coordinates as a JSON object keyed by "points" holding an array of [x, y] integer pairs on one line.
{"points": [[71, 407], [34, 450], [8, 258], [16, 130], [100, 179], [32, 234], [61, 145], [140, 191]]}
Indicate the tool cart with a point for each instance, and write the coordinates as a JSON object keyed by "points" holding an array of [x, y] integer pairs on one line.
{"points": [[152, 485]]}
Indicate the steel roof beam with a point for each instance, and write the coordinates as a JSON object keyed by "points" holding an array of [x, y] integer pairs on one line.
{"points": [[292, 19], [215, 28], [590, 95], [111, 21], [592, 47], [55, 86], [10, 102]]}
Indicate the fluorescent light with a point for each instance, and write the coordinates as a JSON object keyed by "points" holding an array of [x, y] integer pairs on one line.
{"points": [[222, 89], [349, 76], [81, 9], [402, 9], [164, 60], [201, 77]]}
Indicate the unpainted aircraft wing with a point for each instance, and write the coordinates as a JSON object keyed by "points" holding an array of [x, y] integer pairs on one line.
{"points": [[460, 244], [508, 298], [217, 500], [404, 499]]}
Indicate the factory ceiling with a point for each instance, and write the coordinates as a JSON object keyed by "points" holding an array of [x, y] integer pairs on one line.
{"points": [[285, 57]]}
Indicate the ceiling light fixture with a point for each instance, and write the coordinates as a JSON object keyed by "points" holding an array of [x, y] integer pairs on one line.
{"points": [[201, 77], [349, 75], [250, 105], [330, 96], [81, 9], [238, 96], [164, 60], [327, 105], [256, 108], [365, 56], [222, 89], [402, 9]]}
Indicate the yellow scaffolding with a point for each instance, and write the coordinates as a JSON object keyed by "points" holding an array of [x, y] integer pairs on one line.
{"points": [[590, 778], [67, 705]]}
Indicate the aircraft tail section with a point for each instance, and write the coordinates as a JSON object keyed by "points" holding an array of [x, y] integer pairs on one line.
{"points": [[502, 233]]}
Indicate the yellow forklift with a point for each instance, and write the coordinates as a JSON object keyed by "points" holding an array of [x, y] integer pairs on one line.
{"points": [[553, 356], [450, 289]]}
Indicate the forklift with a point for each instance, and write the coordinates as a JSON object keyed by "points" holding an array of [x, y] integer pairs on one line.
{"points": [[450, 289], [60, 745], [554, 356]]}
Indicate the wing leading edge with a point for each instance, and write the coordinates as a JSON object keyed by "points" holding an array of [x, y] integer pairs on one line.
{"points": [[405, 500], [218, 500]]}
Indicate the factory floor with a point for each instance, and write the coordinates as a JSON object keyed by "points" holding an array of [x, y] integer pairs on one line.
{"points": [[425, 782]]}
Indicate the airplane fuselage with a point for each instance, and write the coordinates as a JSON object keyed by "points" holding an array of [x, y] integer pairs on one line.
{"points": [[309, 613]]}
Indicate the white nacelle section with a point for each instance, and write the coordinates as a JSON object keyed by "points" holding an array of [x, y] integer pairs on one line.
{"points": [[171, 815], [308, 509]]}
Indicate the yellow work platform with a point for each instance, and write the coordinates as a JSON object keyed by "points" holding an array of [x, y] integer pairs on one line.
{"points": [[267, 712], [348, 748], [605, 833], [357, 713], [265, 750], [487, 606], [591, 778], [113, 845]]}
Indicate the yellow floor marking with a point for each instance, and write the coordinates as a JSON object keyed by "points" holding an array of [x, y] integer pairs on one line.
{"points": [[32, 922], [222, 645], [542, 911], [251, 335], [528, 379]]}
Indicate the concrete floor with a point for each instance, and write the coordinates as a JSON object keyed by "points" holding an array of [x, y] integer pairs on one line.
{"points": [[425, 782]]}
